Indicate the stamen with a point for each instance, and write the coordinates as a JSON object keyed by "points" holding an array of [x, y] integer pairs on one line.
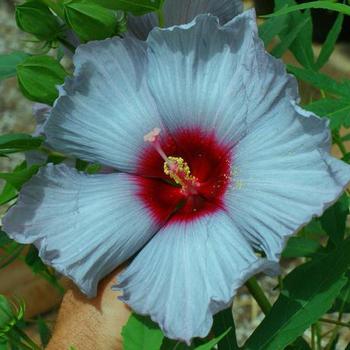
{"points": [[175, 167], [153, 138]]}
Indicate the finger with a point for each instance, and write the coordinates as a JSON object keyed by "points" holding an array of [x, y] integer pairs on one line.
{"points": [[90, 324]]}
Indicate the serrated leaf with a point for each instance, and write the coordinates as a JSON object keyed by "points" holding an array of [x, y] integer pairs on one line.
{"points": [[272, 27], [326, 5], [140, 333], [336, 110], [301, 46], [329, 44], [9, 62], [213, 342], [333, 220], [321, 81], [308, 292], [222, 322], [300, 247], [288, 39]]}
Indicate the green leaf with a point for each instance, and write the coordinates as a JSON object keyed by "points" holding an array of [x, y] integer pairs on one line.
{"points": [[308, 292], [222, 322], [6, 314], [213, 342], [288, 39], [321, 81], [137, 7], [8, 193], [301, 46], [44, 332], [342, 303], [333, 220], [34, 262], [38, 77], [326, 5], [10, 143], [35, 18], [4, 239], [272, 27], [337, 110], [299, 246], [8, 64], [18, 178], [329, 44], [140, 333], [89, 20]]}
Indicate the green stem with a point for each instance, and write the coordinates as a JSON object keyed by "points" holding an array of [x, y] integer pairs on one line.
{"points": [[161, 19], [258, 294], [313, 337], [338, 323], [318, 336], [67, 44]]}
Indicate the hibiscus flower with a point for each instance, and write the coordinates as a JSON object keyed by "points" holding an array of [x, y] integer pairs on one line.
{"points": [[216, 166]]}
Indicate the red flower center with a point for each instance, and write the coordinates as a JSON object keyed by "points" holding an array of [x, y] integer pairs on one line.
{"points": [[185, 175]]}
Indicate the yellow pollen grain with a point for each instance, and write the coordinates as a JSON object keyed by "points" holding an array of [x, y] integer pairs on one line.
{"points": [[182, 172]]}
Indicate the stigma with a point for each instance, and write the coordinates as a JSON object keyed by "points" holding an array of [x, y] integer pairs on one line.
{"points": [[175, 167]]}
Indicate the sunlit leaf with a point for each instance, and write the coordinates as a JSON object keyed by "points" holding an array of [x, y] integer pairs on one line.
{"points": [[140, 333]]}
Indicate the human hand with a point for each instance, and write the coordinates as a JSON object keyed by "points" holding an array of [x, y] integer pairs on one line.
{"points": [[91, 324]]}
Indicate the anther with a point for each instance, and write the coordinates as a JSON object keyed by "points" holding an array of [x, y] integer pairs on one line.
{"points": [[175, 167]]}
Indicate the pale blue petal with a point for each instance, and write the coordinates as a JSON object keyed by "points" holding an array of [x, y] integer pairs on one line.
{"points": [[184, 11], [83, 225], [41, 113], [104, 111], [216, 82], [283, 175], [188, 272]]}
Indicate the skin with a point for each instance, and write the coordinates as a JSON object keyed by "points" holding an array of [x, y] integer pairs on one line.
{"points": [[90, 324]]}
